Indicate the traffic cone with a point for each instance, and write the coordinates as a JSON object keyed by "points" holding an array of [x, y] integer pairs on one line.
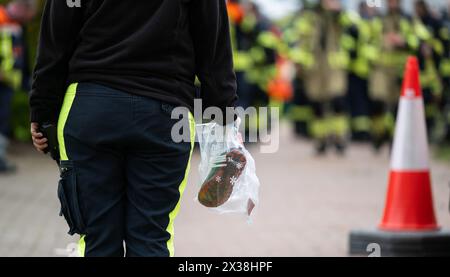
{"points": [[408, 226], [409, 205]]}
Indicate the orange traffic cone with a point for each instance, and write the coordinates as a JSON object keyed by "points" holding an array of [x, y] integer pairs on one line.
{"points": [[408, 226], [409, 205]]}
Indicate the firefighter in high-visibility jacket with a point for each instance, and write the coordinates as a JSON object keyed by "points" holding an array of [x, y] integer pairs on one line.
{"points": [[324, 61], [428, 29], [299, 109], [263, 54], [362, 53], [255, 47], [240, 27], [13, 64], [394, 38], [263, 49]]}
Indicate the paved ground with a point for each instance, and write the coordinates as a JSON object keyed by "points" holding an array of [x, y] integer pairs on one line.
{"points": [[308, 205]]}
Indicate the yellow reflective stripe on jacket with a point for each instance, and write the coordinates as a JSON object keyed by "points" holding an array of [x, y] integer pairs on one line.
{"points": [[319, 128], [438, 46], [339, 124], [412, 41], [339, 60], [421, 31], [369, 52], [348, 42], [257, 54], [444, 33], [445, 68], [360, 67], [303, 25], [301, 113], [430, 77], [361, 124], [248, 23], [268, 39], [242, 61], [6, 44], [302, 57]]}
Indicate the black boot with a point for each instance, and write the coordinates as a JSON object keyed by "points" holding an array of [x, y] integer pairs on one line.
{"points": [[340, 146], [301, 129], [321, 147], [379, 141]]}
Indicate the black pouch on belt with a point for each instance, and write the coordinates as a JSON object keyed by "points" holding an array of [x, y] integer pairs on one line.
{"points": [[68, 195]]}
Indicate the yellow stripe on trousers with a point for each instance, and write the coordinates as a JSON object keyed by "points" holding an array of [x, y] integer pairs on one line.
{"points": [[174, 213], [64, 114], [65, 110], [81, 246]]}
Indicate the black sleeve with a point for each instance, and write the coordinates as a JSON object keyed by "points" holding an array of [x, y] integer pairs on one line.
{"points": [[60, 27], [214, 60]]}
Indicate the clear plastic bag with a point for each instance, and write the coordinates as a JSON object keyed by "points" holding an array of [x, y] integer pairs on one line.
{"points": [[227, 170]]}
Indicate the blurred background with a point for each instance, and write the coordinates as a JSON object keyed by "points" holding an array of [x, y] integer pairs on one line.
{"points": [[333, 68]]}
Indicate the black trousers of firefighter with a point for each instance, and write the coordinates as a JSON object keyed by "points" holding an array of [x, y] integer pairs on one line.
{"points": [[122, 175]]}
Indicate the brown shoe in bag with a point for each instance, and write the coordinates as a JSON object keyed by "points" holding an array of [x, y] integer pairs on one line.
{"points": [[218, 186]]}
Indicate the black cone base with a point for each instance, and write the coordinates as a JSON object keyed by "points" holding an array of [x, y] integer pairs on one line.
{"points": [[401, 244]]}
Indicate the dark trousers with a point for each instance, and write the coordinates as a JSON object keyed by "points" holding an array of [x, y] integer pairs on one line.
{"points": [[446, 109], [301, 109], [6, 94], [358, 96], [122, 175], [359, 106]]}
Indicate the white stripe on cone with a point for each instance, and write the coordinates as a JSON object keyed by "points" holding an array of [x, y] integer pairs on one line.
{"points": [[410, 149]]}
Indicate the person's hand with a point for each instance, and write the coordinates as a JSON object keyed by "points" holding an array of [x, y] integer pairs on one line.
{"points": [[39, 141]]}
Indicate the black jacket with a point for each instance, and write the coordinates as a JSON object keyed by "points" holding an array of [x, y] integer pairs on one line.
{"points": [[153, 48]]}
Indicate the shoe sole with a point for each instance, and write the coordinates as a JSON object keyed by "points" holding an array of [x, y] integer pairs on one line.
{"points": [[218, 187]]}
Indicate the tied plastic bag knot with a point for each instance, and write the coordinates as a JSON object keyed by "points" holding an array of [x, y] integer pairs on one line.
{"points": [[227, 170]]}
